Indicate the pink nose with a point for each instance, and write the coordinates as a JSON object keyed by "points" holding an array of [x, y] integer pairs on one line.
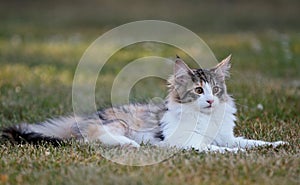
{"points": [[210, 101]]}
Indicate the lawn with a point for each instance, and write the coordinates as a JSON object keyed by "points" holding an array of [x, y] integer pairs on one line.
{"points": [[41, 44]]}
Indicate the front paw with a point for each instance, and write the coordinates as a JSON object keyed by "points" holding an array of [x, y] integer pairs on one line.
{"points": [[235, 150], [279, 143]]}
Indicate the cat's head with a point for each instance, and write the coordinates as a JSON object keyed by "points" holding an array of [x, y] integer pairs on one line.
{"points": [[204, 89]]}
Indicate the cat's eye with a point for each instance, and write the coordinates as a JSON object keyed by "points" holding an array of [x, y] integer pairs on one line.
{"points": [[216, 89], [198, 90]]}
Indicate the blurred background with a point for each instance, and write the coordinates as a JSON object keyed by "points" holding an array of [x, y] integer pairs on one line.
{"points": [[38, 18], [77, 23]]}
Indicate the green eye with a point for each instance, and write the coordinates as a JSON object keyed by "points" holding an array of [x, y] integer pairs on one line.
{"points": [[198, 90], [216, 89]]}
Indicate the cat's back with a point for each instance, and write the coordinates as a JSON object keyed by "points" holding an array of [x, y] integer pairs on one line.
{"points": [[138, 117]]}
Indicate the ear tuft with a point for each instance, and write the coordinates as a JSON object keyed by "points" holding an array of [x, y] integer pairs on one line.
{"points": [[181, 68], [223, 67]]}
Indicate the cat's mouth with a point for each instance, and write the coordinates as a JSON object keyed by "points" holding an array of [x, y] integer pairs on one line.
{"points": [[208, 107]]}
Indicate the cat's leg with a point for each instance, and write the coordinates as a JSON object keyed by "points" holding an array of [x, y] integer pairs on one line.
{"points": [[219, 149], [215, 148], [112, 134], [250, 143], [115, 134], [229, 140], [114, 140]]}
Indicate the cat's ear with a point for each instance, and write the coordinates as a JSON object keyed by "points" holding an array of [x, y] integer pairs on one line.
{"points": [[222, 69], [181, 69]]}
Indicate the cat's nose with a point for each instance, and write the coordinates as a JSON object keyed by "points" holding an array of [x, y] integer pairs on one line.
{"points": [[210, 101]]}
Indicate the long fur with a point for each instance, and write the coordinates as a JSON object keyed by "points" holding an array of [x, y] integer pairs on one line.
{"points": [[21, 134], [198, 113]]}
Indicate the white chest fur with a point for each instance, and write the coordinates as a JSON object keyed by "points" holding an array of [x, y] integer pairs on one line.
{"points": [[186, 127]]}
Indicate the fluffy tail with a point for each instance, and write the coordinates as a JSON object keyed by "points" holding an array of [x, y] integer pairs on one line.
{"points": [[20, 134], [54, 131]]}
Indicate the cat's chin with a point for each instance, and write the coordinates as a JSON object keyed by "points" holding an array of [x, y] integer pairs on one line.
{"points": [[207, 110]]}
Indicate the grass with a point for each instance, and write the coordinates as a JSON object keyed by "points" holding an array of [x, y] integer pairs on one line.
{"points": [[38, 63]]}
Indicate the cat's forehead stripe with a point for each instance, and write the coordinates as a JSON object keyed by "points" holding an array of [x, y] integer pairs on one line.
{"points": [[200, 76]]}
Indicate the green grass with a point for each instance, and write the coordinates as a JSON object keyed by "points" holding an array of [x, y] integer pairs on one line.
{"points": [[41, 46]]}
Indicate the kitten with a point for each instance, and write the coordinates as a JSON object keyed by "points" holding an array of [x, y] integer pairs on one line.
{"points": [[198, 113]]}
